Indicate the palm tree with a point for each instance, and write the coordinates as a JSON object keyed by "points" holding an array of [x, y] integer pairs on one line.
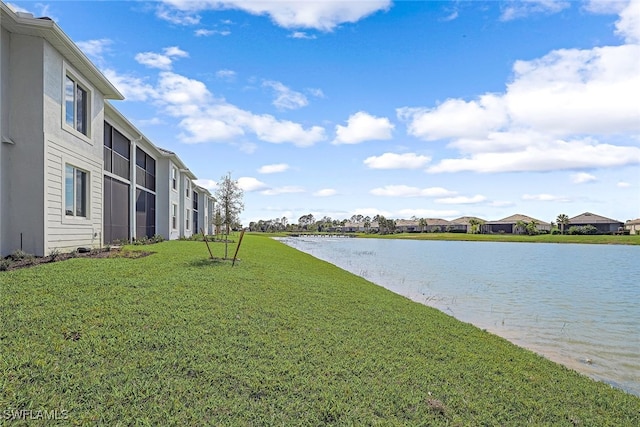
{"points": [[422, 223], [521, 226], [475, 224], [562, 220]]}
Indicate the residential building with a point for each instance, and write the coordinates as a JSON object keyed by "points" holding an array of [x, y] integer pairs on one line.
{"points": [[633, 226], [602, 224], [51, 122], [74, 172], [509, 225]]}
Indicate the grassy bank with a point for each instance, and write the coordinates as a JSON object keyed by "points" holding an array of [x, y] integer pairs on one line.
{"points": [[279, 339], [541, 238]]}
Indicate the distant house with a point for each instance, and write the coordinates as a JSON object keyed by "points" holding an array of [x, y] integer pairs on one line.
{"points": [[407, 226], [466, 221], [439, 225], [633, 226], [508, 225], [353, 227], [602, 224], [357, 227]]}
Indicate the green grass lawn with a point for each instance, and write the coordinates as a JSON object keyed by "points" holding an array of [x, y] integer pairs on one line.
{"points": [[279, 339], [541, 238]]}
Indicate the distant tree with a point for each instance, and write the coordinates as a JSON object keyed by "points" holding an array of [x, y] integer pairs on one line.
{"points": [[305, 221], [229, 196], [382, 223], [218, 221], [532, 228], [475, 225], [562, 220], [422, 223], [521, 226]]}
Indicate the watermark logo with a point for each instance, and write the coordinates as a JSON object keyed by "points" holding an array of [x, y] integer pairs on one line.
{"points": [[32, 414]]}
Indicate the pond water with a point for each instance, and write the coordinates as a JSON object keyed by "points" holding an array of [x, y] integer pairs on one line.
{"points": [[578, 305]]}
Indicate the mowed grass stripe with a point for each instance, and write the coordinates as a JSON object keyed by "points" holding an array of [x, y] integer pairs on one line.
{"points": [[279, 339]]}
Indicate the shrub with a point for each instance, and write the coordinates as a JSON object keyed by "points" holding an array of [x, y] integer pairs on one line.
{"points": [[19, 254], [54, 254], [5, 264]]}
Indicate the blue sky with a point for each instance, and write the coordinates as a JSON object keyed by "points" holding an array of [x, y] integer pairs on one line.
{"points": [[408, 108]]}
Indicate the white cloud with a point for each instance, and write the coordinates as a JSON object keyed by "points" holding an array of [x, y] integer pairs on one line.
{"points": [[286, 99], [362, 126], [133, 88], [175, 52], [205, 118], [320, 15], [523, 8], [397, 161], [302, 35], [275, 168], [623, 184], [95, 49], [249, 184], [407, 191], [226, 74], [628, 26], [154, 60], [283, 190], [456, 118], [605, 7], [161, 61], [461, 200], [325, 192], [567, 110], [202, 32], [316, 92], [582, 177], [427, 213], [176, 16], [545, 198], [209, 184], [544, 156]]}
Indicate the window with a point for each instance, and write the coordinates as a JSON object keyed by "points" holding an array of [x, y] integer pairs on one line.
{"points": [[75, 190], [187, 188], [186, 220], [76, 104], [117, 152], [174, 178], [174, 216], [145, 170]]}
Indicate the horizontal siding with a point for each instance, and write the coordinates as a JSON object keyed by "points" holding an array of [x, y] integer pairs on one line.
{"points": [[63, 233]]}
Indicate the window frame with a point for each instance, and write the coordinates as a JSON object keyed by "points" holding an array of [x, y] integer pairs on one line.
{"points": [[84, 132], [174, 216], [174, 178], [187, 219], [187, 185], [86, 194]]}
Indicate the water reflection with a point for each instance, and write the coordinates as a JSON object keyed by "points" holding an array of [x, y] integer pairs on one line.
{"points": [[575, 304]]}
